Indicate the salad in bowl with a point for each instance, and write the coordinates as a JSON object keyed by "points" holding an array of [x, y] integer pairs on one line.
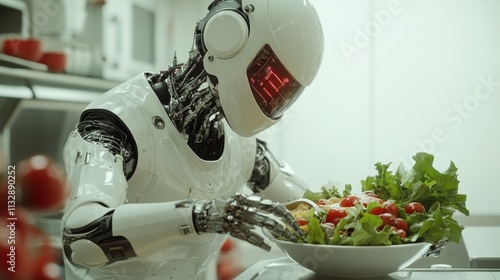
{"points": [[408, 208]]}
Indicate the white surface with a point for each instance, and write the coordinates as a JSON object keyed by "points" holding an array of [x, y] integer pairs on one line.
{"points": [[64, 94], [15, 91], [482, 242]]}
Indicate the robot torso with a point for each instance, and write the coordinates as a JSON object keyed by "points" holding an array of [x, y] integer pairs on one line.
{"points": [[168, 170]]}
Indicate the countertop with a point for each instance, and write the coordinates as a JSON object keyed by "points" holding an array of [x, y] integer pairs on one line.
{"points": [[284, 268], [482, 246]]}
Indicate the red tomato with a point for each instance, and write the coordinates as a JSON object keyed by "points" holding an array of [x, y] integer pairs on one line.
{"points": [[334, 215], [41, 184], [387, 220], [18, 247], [401, 224], [377, 211], [48, 271], [227, 268], [401, 233], [348, 201], [4, 199], [32, 252], [390, 207], [13, 254], [228, 245], [413, 207], [43, 258], [302, 221]]}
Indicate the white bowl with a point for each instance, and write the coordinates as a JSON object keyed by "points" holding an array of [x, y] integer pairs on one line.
{"points": [[352, 261]]}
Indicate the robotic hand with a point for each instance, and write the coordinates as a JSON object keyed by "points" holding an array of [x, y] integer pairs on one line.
{"points": [[237, 214]]}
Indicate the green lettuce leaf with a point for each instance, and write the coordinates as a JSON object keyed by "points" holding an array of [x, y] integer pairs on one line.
{"points": [[316, 234], [325, 193], [437, 191]]}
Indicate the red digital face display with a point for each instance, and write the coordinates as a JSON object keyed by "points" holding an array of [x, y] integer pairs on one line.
{"points": [[272, 85]]}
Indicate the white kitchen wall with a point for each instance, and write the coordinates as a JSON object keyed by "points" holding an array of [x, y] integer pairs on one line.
{"points": [[326, 133], [401, 76], [181, 17], [436, 83]]}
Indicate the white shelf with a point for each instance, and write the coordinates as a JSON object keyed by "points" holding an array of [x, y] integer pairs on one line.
{"points": [[55, 79]]}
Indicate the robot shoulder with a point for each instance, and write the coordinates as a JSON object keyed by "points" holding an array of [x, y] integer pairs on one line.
{"points": [[134, 96], [134, 108]]}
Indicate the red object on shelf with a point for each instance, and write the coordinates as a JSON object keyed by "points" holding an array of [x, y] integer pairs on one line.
{"points": [[28, 49], [41, 185], [55, 61]]}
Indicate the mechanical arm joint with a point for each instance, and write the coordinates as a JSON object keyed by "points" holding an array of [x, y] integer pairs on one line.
{"points": [[98, 232]]}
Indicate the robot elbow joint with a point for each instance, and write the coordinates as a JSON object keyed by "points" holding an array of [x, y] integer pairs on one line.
{"points": [[85, 253]]}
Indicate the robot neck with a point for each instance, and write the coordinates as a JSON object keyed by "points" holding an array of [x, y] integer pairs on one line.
{"points": [[192, 107]]}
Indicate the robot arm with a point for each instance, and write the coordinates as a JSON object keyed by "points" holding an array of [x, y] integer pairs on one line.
{"points": [[274, 179], [100, 227]]}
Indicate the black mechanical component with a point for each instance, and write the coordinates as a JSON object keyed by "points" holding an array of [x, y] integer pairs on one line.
{"points": [[103, 128], [192, 105], [261, 173], [115, 248]]}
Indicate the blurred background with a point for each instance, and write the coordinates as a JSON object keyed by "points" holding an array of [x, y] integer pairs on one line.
{"points": [[398, 77]]}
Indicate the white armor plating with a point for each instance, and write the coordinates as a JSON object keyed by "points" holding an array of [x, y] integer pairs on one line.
{"points": [[293, 31], [167, 170], [157, 163]]}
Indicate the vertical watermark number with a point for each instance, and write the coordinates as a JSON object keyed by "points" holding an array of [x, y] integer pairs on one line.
{"points": [[11, 218]]}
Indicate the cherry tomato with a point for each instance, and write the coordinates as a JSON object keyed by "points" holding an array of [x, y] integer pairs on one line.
{"points": [[302, 221], [348, 201], [227, 246], [413, 207], [48, 271], [43, 257], [377, 211], [401, 224], [387, 220], [390, 207], [401, 233], [334, 215], [227, 268], [13, 250], [4, 199], [28, 252], [41, 184]]}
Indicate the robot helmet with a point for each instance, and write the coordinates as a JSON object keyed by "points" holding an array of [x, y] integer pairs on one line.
{"points": [[261, 54]]}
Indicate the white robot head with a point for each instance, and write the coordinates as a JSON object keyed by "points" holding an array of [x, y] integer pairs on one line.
{"points": [[262, 54]]}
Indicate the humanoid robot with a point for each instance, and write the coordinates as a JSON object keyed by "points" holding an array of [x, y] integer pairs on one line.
{"points": [[158, 164]]}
